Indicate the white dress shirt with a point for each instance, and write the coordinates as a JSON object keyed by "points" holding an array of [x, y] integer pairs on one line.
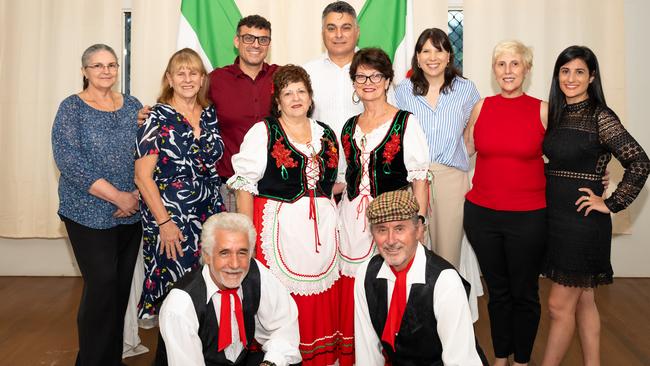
{"points": [[276, 323], [450, 307], [332, 92]]}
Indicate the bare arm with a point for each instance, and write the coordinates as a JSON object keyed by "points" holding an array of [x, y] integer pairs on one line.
{"points": [[468, 134], [245, 203], [543, 113], [421, 193], [170, 236]]}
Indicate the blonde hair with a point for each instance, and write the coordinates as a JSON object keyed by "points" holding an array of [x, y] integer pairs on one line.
{"points": [[190, 59], [514, 47]]}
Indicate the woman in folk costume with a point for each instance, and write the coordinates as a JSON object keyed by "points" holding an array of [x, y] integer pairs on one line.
{"points": [[284, 174], [385, 150]]}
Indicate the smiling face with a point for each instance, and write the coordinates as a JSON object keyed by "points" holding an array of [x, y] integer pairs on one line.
{"points": [[432, 60], [252, 54], [340, 34], [510, 73], [101, 70], [396, 241], [574, 78], [230, 258], [294, 100], [370, 90], [185, 81]]}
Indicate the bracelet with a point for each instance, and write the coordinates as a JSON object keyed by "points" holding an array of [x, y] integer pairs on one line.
{"points": [[164, 222]]}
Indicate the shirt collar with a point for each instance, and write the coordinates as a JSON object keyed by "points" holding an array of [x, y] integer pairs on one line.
{"points": [[326, 58], [415, 275], [237, 71], [211, 288]]}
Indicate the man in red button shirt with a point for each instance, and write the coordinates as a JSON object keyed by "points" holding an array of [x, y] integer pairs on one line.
{"points": [[241, 92]]}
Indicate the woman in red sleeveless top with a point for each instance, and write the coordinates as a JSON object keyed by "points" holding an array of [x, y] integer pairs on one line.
{"points": [[505, 211]]}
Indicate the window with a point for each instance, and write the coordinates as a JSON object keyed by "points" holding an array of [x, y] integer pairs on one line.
{"points": [[126, 54], [455, 31]]}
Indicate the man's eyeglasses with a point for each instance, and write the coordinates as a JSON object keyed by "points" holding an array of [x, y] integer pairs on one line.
{"points": [[362, 79], [113, 66], [250, 39]]}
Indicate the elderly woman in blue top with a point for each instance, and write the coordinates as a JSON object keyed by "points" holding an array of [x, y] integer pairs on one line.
{"points": [[442, 100], [92, 141], [177, 149]]}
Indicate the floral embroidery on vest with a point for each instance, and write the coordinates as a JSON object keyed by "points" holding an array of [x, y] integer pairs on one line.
{"points": [[332, 153], [346, 145], [391, 149], [282, 157]]}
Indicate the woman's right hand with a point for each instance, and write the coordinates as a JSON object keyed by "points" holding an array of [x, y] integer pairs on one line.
{"points": [[127, 204], [143, 114], [170, 240]]}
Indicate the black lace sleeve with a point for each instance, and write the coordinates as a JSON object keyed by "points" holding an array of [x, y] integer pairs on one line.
{"points": [[627, 150]]}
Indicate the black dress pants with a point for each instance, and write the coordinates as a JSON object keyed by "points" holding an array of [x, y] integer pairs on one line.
{"points": [[106, 259], [509, 246]]}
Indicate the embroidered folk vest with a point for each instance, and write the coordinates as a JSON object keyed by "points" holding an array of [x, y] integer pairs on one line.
{"points": [[284, 178], [387, 171]]}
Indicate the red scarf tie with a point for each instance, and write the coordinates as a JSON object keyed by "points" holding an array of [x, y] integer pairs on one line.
{"points": [[397, 306], [225, 323]]}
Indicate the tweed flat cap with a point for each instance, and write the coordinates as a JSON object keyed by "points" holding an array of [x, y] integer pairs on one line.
{"points": [[392, 206]]}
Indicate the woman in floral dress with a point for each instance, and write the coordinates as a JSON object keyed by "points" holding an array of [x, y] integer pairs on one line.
{"points": [[177, 149]]}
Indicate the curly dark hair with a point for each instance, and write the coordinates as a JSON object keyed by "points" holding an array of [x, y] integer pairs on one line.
{"points": [[286, 75], [374, 58], [254, 21]]}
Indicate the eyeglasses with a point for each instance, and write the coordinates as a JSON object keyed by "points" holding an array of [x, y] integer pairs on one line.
{"points": [[113, 66], [250, 39], [362, 79]]}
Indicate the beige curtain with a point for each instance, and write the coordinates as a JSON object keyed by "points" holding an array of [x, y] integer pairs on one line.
{"points": [[40, 49], [549, 27]]}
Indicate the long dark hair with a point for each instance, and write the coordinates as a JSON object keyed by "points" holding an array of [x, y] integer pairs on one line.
{"points": [[556, 98], [439, 40]]}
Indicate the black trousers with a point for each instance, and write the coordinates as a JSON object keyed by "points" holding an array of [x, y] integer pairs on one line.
{"points": [[106, 258], [510, 246]]}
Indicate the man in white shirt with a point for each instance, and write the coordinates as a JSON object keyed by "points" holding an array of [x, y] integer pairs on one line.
{"points": [[214, 313], [330, 73], [410, 305]]}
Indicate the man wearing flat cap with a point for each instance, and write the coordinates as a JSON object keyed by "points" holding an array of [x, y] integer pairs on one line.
{"points": [[410, 305]]}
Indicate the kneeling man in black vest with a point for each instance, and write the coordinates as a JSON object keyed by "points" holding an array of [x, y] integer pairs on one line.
{"points": [[410, 305], [214, 313]]}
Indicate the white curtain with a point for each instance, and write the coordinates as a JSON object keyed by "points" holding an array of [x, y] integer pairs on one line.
{"points": [[549, 27], [41, 43]]}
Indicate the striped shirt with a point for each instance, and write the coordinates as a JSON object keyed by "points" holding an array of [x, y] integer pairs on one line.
{"points": [[444, 124]]}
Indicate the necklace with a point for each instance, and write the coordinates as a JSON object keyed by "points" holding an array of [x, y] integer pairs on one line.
{"points": [[103, 107], [296, 136]]}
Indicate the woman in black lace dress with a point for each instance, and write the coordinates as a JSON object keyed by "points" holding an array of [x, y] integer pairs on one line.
{"points": [[583, 134]]}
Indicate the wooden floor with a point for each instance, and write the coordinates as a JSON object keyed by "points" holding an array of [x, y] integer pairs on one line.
{"points": [[38, 327]]}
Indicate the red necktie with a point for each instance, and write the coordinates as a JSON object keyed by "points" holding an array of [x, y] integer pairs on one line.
{"points": [[397, 306], [225, 325]]}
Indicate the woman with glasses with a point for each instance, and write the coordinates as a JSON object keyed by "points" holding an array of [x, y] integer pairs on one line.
{"points": [[284, 174], [385, 150], [177, 149], [92, 142]]}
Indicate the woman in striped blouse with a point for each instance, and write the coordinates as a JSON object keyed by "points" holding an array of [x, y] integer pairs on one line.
{"points": [[442, 100]]}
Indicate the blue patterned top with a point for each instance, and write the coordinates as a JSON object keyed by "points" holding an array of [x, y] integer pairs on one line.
{"points": [[89, 144], [444, 123]]}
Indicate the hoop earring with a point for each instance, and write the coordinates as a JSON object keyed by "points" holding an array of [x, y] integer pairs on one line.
{"points": [[357, 100]]}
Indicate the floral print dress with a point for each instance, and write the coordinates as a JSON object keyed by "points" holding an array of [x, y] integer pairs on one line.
{"points": [[189, 188]]}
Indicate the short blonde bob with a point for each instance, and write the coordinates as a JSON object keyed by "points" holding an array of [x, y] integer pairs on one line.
{"points": [[513, 47], [190, 59]]}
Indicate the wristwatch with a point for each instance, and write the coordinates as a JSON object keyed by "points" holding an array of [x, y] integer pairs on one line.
{"points": [[267, 363]]}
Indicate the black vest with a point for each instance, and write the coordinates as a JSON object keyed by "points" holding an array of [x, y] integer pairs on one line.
{"points": [[417, 342], [194, 284], [388, 172], [284, 178]]}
